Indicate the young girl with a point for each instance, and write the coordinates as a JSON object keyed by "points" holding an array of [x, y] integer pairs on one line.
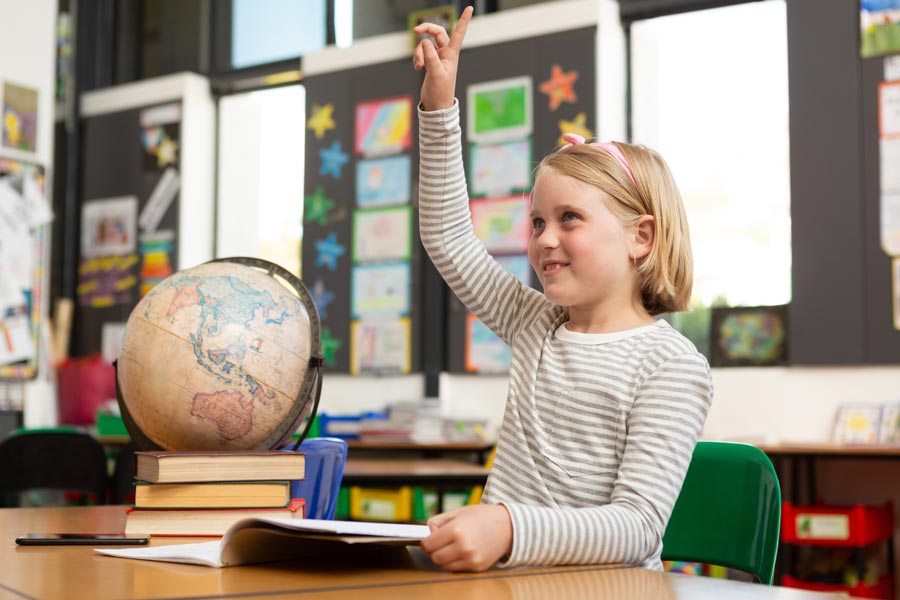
{"points": [[605, 403]]}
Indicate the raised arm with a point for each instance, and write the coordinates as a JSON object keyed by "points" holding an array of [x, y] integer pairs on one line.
{"points": [[440, 63]]}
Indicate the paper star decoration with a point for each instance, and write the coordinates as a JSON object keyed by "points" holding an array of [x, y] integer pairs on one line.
{"points": [[329, 251], [322, 298], [166, 152], [560, 87], [577, 125], [330, 345], [321, 120], [316, 207], [333, 159]]}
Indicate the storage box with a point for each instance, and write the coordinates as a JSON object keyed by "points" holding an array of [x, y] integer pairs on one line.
{"points": [[425, 502], [883, 588], [369, 504], [847, 526]]}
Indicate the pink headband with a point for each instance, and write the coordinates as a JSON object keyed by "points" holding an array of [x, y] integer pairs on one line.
{"points": [[576, 140]]}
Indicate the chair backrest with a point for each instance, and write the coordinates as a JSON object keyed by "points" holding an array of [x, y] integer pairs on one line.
{"points": [[325, 458], [728, 512], [53, 460]]}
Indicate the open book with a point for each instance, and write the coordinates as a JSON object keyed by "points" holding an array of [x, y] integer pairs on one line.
{"points": [[271, 539]]}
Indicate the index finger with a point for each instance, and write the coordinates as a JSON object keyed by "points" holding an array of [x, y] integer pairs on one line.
{"points": [[459, 32]]}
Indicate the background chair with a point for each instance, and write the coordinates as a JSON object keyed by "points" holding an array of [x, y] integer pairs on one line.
{"points": [[325, 458], [62, 460], [122, 483], [728, 512]]}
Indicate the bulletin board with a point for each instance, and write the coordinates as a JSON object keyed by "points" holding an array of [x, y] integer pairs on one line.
{"points": [[558, 73], [21, 267], [128, 231], [361, 256], [361, 195]]}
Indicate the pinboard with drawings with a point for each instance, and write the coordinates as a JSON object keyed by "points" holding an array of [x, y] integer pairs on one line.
{"points": [[384, 309], [128, 233], [24, 215]]}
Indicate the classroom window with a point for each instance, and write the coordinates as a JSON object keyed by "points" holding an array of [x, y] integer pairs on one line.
{"points": [[264, 31], [710, 92], [260, 175]]}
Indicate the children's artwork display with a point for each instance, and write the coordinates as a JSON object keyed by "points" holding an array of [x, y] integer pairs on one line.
{"points": [[361, 255], [749, 336], [384, 126], [857, 424], [20, 117], [500, 110], [24, 214], [501, 168]]}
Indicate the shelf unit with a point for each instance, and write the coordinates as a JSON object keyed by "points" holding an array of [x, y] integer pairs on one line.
{"points": [[854, 528]]}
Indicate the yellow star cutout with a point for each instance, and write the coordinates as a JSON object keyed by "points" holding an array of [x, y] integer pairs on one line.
{"points": [[577, 125], [166, 152], [321, 120]]}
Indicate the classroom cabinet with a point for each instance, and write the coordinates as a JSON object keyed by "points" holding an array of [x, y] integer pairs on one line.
{"points": [[839, 549]]}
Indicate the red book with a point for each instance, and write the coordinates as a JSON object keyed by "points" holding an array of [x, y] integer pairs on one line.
{"points": [[202, 521]]}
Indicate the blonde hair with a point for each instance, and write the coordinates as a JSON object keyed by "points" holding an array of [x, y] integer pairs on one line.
{"points": [[665, 276]]}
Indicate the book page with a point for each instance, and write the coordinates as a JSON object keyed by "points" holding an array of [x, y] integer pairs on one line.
{"points": [[204, 553], [273, 539]]}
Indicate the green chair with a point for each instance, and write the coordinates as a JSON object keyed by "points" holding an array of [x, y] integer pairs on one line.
{"points": [[728, 512]]}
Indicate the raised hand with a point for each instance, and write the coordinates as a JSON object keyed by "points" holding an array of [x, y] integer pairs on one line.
{"points": [[471, 538], [440, 60]]}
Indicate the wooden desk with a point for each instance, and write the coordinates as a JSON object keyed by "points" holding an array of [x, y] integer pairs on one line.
{"points": [[795, 463], [65, 572]]}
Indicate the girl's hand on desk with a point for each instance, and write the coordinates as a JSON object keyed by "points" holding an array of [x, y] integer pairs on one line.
{"points": [[471, 538]]}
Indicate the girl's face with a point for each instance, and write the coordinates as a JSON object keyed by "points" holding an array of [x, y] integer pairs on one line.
{"points": [[579, 249]]}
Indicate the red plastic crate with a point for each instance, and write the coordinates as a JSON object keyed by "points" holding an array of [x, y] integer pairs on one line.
{"points": [[844, 526], [883, 588]]}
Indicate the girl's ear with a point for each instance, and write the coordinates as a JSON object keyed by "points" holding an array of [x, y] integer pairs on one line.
{"points": [[644, 232]]}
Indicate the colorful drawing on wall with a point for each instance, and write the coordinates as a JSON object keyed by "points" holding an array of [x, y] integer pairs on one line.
{"points": [[485, 352], [328, 251], [109, 226], [857, 423], [333, 160], [502, 224], [321, 119], [160, 130], [384, 126], [20, 117], [380, 345], [560, 87], [382, 289], [518, 265], [156, 258], [499, 110], [382, 181], [497, 169], [577, 125], [749, 336], [105, 281], [316, 207], [382, 234], [879, 22]]}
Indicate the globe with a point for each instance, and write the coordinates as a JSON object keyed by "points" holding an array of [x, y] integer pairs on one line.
{"points": [[221, 356]]}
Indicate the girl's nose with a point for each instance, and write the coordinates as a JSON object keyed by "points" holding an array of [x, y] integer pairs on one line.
{"points": [[548, 238]]}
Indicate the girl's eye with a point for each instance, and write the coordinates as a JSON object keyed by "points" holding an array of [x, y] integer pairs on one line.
{"points": [[568, 216], [537, 223]]}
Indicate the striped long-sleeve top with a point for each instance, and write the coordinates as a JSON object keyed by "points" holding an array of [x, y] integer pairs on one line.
{"points": [[598, 429]]}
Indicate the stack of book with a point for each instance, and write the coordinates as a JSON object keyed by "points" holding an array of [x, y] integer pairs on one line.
{"points": [[204, 493]]}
